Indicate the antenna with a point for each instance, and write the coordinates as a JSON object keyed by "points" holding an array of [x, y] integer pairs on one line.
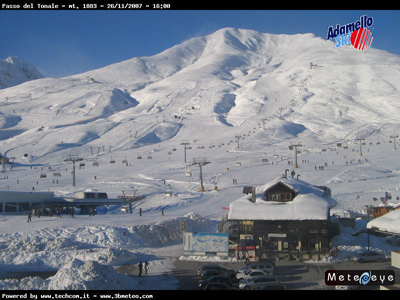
{"points": [[73, 158]]}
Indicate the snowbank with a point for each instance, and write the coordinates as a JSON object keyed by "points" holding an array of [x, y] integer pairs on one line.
{"points": [[75, 275], [79, 275], [86, 252]]}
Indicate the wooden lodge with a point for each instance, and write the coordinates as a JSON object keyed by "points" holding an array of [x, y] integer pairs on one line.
{"points": [[288, 219]]}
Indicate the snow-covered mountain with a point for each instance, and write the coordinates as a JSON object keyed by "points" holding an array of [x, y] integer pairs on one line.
{"points": [[227, 83], [235, 87], [14, 71]]}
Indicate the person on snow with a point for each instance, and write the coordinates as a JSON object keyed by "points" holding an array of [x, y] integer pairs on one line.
{"points": [[72, 212], [146, 267], [29, 216], [140, 268]]}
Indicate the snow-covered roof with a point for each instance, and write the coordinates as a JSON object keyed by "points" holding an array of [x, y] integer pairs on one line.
{"points": [[299, 186], [389, 222], [307, 205]]}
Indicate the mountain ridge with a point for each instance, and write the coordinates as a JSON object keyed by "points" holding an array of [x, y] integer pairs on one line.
{"points": [[14, 71], [225, 83]]}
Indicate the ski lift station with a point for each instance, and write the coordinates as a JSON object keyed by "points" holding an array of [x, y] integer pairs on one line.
{"points": [[4, 160], [17, 202], [12, 202]]}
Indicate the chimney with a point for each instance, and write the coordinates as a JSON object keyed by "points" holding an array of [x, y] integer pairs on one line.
{"points": [[250, 189]]}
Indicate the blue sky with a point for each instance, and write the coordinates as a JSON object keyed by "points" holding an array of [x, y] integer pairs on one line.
{"points": [[63, 42]]}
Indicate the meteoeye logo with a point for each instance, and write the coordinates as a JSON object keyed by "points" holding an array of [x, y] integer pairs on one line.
{"points": [[359, 277], [354, 33]]}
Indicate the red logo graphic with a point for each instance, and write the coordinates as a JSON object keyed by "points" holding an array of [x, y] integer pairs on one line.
{"points": [[361, 39]]}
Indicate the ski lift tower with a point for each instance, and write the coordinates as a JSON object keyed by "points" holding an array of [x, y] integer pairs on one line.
{"points": [[184, 144], [201, 161], [237, 137], [129, 196], [263, 121], [294, 147], [394, 140], [360, 141], [73, 158]]}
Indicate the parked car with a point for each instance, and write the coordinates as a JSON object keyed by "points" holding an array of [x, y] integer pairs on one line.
{"points": [[267, 260], [346, 287], [360, 231], [217, 286], [203, 268], [368, 256], [257, 282], [271, 287], [263, 266], [393, 240], [250, 273], [222, 270], [217, 278], [246, 268], [210, 273]]}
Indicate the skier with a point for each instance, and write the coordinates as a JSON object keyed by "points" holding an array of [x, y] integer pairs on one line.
{"points": [[58, 212], [29, 216], [72, 212], [140, 268]]}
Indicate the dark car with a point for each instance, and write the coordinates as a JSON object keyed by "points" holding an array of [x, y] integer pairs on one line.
{"points": [[217, 286], [216, 278], [203, 268], [207, 267], [273, 287], [210, 273], [360, 231]]}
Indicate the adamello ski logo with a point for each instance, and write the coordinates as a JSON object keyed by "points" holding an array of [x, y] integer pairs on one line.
{"points": [[359, 277], [354, 33]]}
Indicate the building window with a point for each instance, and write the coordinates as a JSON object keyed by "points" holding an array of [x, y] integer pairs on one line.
{"points": [[23, 207], [313, 242], [10, 207], [280, 197]]}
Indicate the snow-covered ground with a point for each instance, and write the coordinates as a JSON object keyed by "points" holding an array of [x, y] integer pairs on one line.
{"points": [[206, 91]]}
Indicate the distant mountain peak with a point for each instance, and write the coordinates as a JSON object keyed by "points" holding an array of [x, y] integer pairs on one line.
{"points": [[14, 71]]}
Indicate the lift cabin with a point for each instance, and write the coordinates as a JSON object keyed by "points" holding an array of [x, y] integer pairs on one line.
{"points": [[91, 195]]}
